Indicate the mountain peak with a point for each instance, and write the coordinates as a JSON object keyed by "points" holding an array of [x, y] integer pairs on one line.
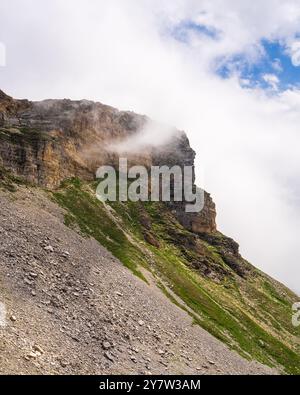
{"points": [[4, 96]]}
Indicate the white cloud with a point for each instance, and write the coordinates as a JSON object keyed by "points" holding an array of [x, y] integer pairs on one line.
{"points": [[294, 52], [153, 134], [120, 52], [272, 80], [2, 55]]}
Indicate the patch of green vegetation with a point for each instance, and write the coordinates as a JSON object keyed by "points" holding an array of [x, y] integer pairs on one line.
{"points": [[23, 135], [274, 294], [170, 296], [247, 314], [220, 319], [9, 181], [95, 220]]}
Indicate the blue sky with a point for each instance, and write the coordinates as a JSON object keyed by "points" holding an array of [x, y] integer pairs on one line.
{"points": [[274, 61], [182, 31], [272, 70]]}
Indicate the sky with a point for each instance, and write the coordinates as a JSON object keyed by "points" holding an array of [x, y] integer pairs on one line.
{"points": [[225, 71]]}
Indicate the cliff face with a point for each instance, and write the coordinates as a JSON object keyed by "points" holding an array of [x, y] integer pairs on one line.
{"points": [[50, 141]]}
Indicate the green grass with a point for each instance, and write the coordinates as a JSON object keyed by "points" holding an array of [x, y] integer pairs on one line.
{"points": [[219, 318], [90, 215], [9, 181], [249, 315], [24, 136]]}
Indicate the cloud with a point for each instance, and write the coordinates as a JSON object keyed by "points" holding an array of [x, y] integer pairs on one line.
{"points": [[294, 52], [123, 53], [2, 55], [151, 135], [187, 31], [272, 80]]}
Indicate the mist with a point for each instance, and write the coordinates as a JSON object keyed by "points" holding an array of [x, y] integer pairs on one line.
{"points": [[151, 135]]}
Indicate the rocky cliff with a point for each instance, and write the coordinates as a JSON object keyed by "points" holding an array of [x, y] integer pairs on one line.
{"points": [[50, 141]]}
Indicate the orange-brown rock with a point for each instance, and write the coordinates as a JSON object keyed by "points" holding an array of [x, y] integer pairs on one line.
{"points": [[49, 141]]}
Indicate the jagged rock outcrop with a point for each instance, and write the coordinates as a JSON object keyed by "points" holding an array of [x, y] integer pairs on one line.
{"points": [[49, 141]]}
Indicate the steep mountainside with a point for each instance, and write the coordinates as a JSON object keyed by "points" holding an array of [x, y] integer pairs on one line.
{"points": [[49, 152], [74, 308]]}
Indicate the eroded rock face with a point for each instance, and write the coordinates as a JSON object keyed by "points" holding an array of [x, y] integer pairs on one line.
{"points": [[55, 139], [49, 141], [203, 222]]}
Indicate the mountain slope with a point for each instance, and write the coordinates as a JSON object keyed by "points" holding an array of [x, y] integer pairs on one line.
{"points": [[57, 146], [223, 293], [76, 309]]}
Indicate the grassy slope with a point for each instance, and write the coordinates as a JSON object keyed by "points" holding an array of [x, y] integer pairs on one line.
{"points": [[252, 316], [9, 181]]}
